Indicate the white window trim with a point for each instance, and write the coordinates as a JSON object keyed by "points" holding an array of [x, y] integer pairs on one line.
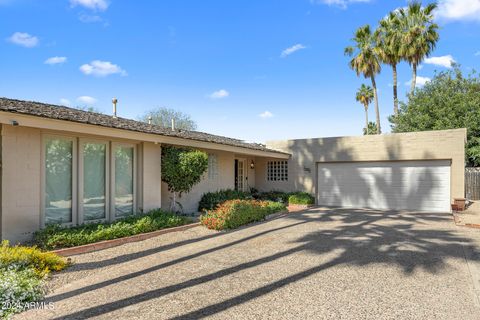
{"points": [[82, 142], [74, 179], [114, 145]]}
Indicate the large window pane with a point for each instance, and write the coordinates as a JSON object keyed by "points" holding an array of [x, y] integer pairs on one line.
{"points": [[94, 196], [123, 181], [58, 180]]}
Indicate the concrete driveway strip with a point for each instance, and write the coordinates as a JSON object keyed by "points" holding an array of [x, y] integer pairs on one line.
{"points": [[318, 264]]}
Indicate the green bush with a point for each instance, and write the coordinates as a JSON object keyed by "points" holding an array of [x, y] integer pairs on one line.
{"points": [[211, 200], [232, 214], [55, 236], [301, 198], [277, 196]]}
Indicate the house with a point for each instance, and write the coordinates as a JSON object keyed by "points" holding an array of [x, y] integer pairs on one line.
{"points": [[62, 165]]}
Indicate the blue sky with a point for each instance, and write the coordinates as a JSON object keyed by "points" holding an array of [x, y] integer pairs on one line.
{"points": [[255, 70]]}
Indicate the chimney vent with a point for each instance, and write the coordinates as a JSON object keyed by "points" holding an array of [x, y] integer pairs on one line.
{"points": [[114, 102], [173, 124], [149, 119]]}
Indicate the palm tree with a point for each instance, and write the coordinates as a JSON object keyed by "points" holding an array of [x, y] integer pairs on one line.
{"points": [[365, 61], [365, 96], [419, 35], [389, 38], [372, 127]]}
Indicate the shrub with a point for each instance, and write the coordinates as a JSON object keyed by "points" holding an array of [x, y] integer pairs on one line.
{"points": [[55, 236], [18, 287], [234, 213], [277, 196], [211, 200], [30, 257], [301, 198]]}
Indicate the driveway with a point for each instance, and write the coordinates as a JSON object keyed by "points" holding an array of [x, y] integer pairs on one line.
{"points": [[315, 264]]}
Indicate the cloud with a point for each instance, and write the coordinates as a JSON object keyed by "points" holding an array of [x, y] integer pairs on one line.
{"points": [[219, 94], [420, 82], [55, 60], [102, 69], [96, 5], [477, 54], [65, 102], [339, 3], [86, 100], [292, 49], [23, 39], [464, 10], [266, 114], [443, 61]]}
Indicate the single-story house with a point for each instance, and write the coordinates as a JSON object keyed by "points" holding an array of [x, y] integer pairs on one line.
{"points": [[63, 165]]}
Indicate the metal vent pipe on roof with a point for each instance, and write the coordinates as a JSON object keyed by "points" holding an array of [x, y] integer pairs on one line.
{"points": [[114, 102], [173, 124]]}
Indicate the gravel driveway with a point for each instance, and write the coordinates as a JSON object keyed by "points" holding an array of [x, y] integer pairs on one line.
{"points": [[316, 264]]}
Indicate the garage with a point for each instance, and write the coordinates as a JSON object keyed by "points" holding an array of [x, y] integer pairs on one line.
{"points": [[386, 185]]}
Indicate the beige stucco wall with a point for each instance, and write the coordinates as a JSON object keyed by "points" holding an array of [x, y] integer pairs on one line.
{"points": [[445, 144], [150, 177], [224, 180], [21, 149]]}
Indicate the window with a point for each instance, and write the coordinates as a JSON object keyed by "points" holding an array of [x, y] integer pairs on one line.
{"points": [[96, 184], [212, 167], [124, 180], [59, 180], [93, 193], [277, 171]]}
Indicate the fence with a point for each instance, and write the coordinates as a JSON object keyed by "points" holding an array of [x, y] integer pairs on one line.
{"points": [[472, 183]]}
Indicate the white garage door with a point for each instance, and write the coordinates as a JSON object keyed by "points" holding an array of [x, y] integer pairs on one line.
{"points": [[399, 185]]}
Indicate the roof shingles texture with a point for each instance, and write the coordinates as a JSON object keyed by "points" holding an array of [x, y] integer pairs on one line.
{"points": [[69, 114]]}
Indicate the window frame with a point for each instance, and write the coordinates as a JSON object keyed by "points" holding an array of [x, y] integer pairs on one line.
{"points": [[277, 171], [114, 145], [81, 216], [74, 205]]}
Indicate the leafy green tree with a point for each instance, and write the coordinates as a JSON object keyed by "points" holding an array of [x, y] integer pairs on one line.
{"points": [[448, 101], [365, 61], [163, 117], [419, 34], [371, 128], [182, 169], [365, 96], [389, 39]]}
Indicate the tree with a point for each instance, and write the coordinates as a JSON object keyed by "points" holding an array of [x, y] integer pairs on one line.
{"points": [[419, 34], [371, 128], [181, 170], [365, 96], [163, 117], [365, 61], [448, 101], [389, 38]]}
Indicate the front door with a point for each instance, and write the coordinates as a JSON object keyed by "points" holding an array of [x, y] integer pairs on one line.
{"points": [[240, 174]]}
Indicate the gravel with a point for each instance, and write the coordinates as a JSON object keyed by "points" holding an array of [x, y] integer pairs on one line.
{"points": [[317, 264]]}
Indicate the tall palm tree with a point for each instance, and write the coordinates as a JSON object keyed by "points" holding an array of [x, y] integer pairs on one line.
{"points": [[365, 61], [389, 38], [420, 35], [365, 97]]}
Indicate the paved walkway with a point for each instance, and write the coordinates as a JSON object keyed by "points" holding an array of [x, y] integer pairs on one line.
{"points": [[317, 264]]}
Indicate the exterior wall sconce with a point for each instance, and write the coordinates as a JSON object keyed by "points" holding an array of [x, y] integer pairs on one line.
{"points": [[252, 165]]}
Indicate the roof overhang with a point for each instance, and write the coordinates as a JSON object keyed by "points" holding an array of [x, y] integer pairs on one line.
{"points": [[96, 130]]}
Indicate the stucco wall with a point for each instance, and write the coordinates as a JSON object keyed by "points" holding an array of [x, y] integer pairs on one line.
{"points": [[445, 144], [151, 177], [20, 182], [224, 180]]}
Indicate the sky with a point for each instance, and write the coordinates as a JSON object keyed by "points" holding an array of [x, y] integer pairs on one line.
{"points": [[254, 70]]}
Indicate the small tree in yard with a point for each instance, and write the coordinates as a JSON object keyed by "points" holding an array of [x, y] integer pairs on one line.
{"points": [[182, 169]]}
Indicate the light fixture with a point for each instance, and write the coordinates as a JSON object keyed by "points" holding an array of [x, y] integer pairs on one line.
{"points": [[252, 165]]}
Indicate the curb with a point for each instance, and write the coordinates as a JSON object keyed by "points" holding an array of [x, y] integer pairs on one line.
{"points": [[117, 242], [458, 222]]}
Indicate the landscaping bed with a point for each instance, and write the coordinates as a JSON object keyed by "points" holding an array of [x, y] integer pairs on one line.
{"points": [[23, 271], [56, 237], [232, 214]]}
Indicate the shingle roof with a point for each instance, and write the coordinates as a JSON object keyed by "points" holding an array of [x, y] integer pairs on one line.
{"points": [[50, 111]]}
